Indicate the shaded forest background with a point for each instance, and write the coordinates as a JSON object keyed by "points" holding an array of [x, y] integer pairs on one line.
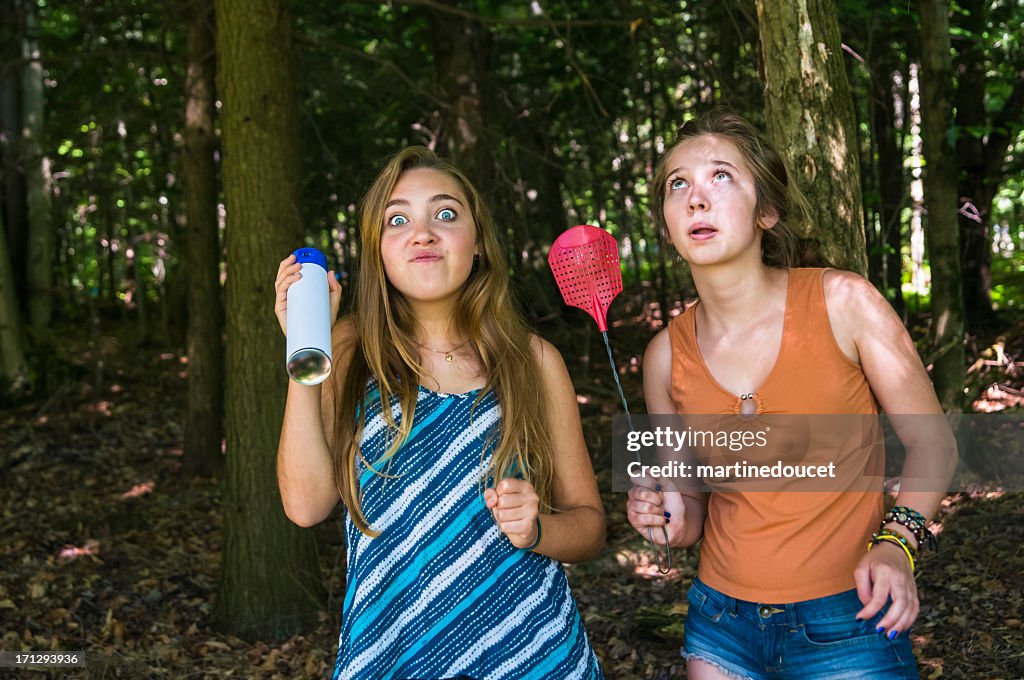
{"points": [[159, 158]]}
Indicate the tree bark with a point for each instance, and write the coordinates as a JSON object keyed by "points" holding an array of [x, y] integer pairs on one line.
{"points": [[270, 583], [889, 165], [204, 418], [37, 179], [462, 50], [15, 212], [810, 120], [947, 329], [14, 375], [973, 187]]}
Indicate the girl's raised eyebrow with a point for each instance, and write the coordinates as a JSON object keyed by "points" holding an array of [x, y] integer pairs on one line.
{"points": [[444, 197], [396, 201]]}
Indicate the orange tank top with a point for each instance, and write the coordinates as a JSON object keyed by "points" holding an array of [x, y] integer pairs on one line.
{"points": [[772, 546]]}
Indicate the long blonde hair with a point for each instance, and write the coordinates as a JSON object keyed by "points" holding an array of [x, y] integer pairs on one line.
{"points": [[387, 350]]}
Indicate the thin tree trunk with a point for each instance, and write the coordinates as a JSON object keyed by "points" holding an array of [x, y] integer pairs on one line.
{"points": [[14, 375], [270, 582], [106, 207], [15, 212], [810, 119], [912, 132], [204, 418], [37, 179], [981, 157], [667, 292], [947, 328], [543, 215], [974, 188], [890, 183], [135, 270], [725, 42]]}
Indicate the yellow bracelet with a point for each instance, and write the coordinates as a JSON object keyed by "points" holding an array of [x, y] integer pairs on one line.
{"points": [[893, 539]]}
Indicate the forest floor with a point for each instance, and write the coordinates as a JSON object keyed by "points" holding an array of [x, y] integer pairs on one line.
{"points": [[108, 548]]}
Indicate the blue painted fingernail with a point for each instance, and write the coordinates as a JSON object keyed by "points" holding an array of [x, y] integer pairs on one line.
{"points": [[657, 487], [893, 634], [879, 630], [668, 514]]}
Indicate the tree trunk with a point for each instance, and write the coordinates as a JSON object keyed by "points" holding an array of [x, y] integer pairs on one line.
{"points": [[810, 120], [983, 140], [890, 181], [106, 204], [270, 583], [543, 215], [37, 179], [135, 270], [14, 375], [947, 328], [15, 213], [204, 418], [973, 186], [462, 50], [725, 42]]}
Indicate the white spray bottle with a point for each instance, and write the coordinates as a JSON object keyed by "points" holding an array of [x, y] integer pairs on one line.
{"points": [[308, 320]]}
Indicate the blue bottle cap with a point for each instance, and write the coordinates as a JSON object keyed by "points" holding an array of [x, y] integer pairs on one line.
{"points": [[311, 256]]}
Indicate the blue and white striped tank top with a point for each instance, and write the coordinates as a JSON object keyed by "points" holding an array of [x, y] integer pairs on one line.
{"points": [[442, 593]]}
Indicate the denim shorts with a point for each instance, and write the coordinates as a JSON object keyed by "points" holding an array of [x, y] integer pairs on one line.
{"points": [[812, 640]]}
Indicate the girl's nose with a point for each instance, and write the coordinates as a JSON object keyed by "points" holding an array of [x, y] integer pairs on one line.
{"points": [[422, 233], [698, 201]]}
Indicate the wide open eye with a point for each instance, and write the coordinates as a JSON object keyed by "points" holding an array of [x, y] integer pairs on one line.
{"points": [[446, 215], [677, 183], [397, 220]]}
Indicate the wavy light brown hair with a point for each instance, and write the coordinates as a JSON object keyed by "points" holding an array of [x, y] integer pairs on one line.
{"points": [[776, 193], [387, 351]]}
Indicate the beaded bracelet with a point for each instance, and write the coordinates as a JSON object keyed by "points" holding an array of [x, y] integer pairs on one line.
{"points": [[537, 542], [915, 523], [887, 536]]}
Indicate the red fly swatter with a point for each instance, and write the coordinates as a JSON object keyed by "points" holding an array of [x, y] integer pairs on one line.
{"points": [[585, 262]]}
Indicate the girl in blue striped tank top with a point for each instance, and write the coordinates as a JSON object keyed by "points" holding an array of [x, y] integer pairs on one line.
{"points": [[452, 436]]}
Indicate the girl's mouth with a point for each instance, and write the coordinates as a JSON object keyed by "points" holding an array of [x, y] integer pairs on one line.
{"points": [[702, 231]]}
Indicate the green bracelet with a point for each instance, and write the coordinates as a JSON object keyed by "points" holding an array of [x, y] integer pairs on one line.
{"points": [[537, 542]]}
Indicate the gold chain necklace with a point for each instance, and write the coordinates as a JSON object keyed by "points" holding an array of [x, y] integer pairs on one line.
{"points": [[447, 354]]}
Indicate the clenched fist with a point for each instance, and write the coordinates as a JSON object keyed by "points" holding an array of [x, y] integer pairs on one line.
{"points": [[514, 504]]}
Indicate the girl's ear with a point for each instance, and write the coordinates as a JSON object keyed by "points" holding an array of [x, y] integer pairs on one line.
{"points": [[768, 220]]}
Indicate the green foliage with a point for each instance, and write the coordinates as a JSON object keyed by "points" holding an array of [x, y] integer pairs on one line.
{"points": [[580, 99], [114, 106]]}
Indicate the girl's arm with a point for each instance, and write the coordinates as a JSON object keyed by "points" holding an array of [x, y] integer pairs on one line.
{"points": [[869, 332], [686, 511], [305, 470], [575, 531]]}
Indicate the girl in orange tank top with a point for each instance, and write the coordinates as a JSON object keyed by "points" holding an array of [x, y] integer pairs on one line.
{"points": [[791, 584]]}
